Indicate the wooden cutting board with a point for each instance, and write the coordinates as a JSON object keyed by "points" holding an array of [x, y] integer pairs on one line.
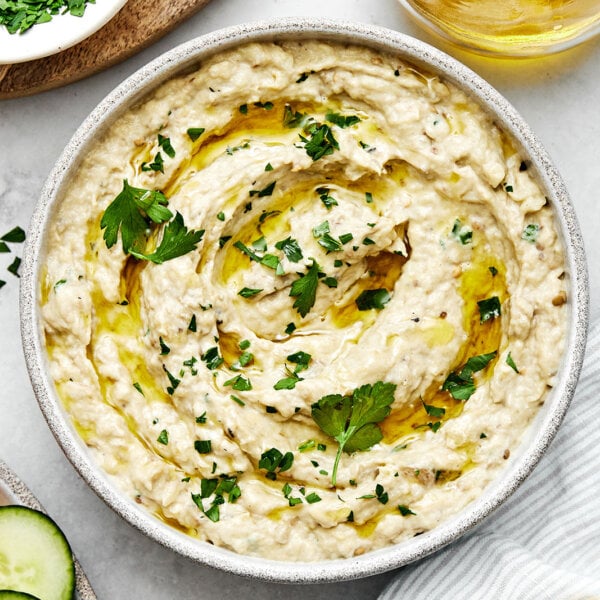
{"points": [[137, 25]]}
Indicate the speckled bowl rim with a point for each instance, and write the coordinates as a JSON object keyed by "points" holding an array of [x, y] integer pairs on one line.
{"points": [[536, 439]]}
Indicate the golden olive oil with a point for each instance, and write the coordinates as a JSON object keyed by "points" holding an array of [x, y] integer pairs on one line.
{"points": [[510, 27]]}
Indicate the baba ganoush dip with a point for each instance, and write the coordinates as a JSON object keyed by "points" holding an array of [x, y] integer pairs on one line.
{"points": [[304, 301]]}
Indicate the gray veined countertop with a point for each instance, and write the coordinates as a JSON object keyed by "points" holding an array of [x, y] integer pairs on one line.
{"points": [[557, 96]]}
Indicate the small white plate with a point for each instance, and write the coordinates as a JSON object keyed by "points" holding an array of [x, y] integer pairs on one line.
{"points": [[62, 32]]}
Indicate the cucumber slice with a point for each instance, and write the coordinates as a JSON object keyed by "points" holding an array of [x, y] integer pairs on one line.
{"points": [[12, 595], [35, 556]]}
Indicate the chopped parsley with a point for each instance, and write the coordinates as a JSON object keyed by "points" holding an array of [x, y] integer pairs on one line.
{"points": [[247, 292], [203, 446], [192, 324], [493, 271], [14, 266], [319, 140], [511, 363], [489, 309], [434, 411], [462, 233], [218, 488], [268, 167], [301, 360], [291, 249], [290, 328], [373, 299], [157, 165], [201, 419], [265, 105], [325, 198], [163, 437], [212, 358], [138, 387], [266, 191], [164, 349], [381, 494], [352, 420], [195, 132], [165, 144], [404, 510], [173, 380], [530, 233], [342, 121], [274, 461], [312, 498], [16, 236], [368, 197], [239, 383], [460, 384], [243, 109]]}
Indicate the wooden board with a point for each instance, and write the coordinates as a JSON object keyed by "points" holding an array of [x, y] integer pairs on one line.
{"points": [[137, 25]]}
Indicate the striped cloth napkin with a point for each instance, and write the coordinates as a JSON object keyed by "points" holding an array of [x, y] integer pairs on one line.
{"points": [[544, 542]]}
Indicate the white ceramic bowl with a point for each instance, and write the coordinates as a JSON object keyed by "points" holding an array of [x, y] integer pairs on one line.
{"points": [[62, 32], [539, 434]]}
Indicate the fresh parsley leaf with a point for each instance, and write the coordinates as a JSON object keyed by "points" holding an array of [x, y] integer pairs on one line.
{"points": [[369, 299], [489, 309], [530, 233], [312, 498], [352, 420], [239, 383], [292, 119], [304, 289], [165, 144], [157, 165], [4, 248], [381, 494], [173, 380], [404, 510], [16, 235], [291, 249], [511, 363], [242, 247], [273, 461], [266, 191], [434, 411], [127, 212], [195, 132], [462, 233], [164, 349], [325, 198], [212, 358], [203, 446], [342, 120], [460, 383], [320, 141], [247, 292], [14, 267], [176, 241]]}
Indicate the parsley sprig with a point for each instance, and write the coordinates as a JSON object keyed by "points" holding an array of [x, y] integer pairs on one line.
{"points": [[352, 420], [136, 210], [304, 289]]}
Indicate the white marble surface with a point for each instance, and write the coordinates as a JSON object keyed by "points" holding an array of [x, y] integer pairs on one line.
{"points": [[557, 96]]}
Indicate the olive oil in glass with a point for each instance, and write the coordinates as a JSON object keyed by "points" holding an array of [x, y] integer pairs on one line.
{"points": [[510, 27]]}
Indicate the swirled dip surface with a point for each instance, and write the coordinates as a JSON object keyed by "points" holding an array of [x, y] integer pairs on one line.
{"points": [[425, 240]]}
